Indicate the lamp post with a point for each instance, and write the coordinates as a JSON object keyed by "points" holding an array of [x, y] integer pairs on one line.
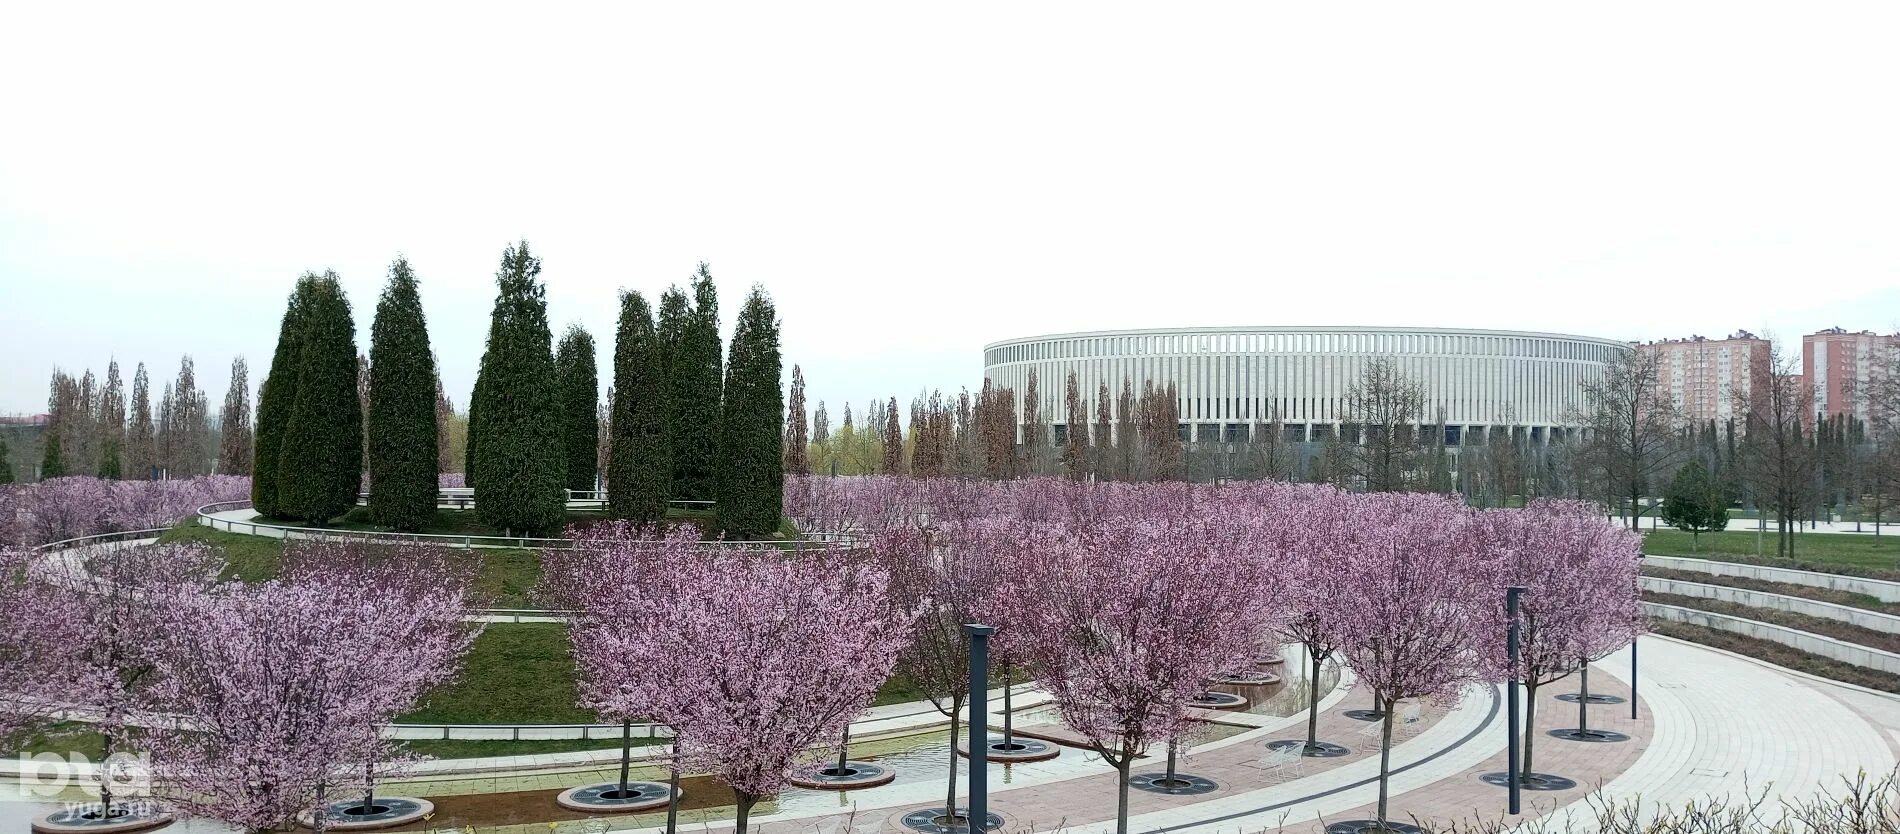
{"points": [[1511, 595], [979, 808]]}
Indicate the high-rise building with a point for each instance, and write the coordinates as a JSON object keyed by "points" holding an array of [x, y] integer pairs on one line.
{"points": [[1838, 367], [1706, 376]]}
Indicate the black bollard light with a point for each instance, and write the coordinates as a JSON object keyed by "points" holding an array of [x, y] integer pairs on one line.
{"points": [[1511, 745], [979, 724]]}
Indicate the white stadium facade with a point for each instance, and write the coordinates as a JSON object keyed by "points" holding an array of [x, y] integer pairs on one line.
{"points": [[1234, 381]]}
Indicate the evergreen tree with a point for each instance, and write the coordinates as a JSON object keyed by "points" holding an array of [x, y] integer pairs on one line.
{"points": [[319, 464], [514, 433], [52, 463], [1695, 502], [893, 441], [234, 435], [797, 455], [697, 395], [640, 474], [188, 451], [112, 424], [6, 462], [274, 400], [403, 400], [580, 407], [751, 472], [141, 449]]}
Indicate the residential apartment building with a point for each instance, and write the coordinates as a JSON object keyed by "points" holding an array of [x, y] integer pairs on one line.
{"points": [[1706, 376], [1838, 367]]}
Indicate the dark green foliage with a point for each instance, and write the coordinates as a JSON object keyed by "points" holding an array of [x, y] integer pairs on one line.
{"points": [[52, 465], [752, 425], [274, 400], [514, 432], [695, 375], [6, 462], [320, 464], [1695, 502], [580, 407], [641, 465], [109, 465], [401, 422]]}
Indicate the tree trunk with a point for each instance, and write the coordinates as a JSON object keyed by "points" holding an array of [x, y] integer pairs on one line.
{"points": [[844, 749], [320, 817], [1009, 722], [1385, 757], [1530, 729], [1171, 755], [950, 797], [1121, 796], [673, 785], [1312, 712], [626, 752], [746, 801], [1583, 702]]}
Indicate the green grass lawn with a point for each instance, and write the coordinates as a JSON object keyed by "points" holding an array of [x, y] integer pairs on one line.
{"points": [[514, 674], [1863, 552], [507, 576]]}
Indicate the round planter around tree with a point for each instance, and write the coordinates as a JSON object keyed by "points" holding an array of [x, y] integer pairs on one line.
{"points": [[88, 819], [384, 812]]}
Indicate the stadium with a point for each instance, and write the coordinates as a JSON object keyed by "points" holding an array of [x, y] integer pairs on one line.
{"points": [[1232, 381]]}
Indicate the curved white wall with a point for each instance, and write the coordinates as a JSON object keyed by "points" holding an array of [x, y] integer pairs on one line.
{"points": [[1476, 378]]}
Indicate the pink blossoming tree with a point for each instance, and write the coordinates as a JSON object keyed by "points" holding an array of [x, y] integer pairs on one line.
{"points": [[1423, 608], [1581, 599], [41, 632], [1128, 619], [764, 654], [281, 688]]}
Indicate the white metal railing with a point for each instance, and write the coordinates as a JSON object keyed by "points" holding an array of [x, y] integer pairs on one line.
{"points": [[206, 517], [103, 538]]}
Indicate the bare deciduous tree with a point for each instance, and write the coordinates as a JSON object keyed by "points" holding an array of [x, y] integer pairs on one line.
{"points": [[1633, 426]]}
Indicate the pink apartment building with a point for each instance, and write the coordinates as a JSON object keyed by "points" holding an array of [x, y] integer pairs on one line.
{"points": [[1837, 367], [1705, 376]]}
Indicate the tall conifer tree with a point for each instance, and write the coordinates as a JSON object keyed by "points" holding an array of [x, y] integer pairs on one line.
{"points": [[797, 453], [401, 422], [640, 479], [112, 424], [274, 400], [580, 407], [141, 449], [319, 464], [697, 392], [514, 434], [234, 433], [752, 425]]}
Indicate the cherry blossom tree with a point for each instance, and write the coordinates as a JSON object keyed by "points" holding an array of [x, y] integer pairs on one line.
{"points": [[1128, 619], [41, 626], [1581, 599], [754, 654], [1302, 525], [1424, 606], [281, 687]]}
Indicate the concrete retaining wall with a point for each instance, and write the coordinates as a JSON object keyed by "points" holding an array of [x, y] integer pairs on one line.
{"points": [[1878, 589], [1827, 647], [1794, 605]]}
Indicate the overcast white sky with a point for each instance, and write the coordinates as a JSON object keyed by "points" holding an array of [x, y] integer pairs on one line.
{"points": [[912, 181]]}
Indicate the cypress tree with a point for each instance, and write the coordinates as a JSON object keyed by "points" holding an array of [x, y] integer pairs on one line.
{"points": [[112, 424], [696, 390], [141, 449], [580, 407], [234, 436], [274, 400], [52, 465], [514, 431], [641, 474], [401, 423], [752, 425], [6, 461], [319, 464]]}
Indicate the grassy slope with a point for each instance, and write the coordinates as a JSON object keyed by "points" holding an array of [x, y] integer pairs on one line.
{"points": [[1862, 553], [506, 576]]}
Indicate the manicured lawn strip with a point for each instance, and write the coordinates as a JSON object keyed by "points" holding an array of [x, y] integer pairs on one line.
{"points": [[484, 749], [1779, 655], [1846, 598], [1813, 625], [247, 558], [507, 576], [1843, 553], [514, 674]]}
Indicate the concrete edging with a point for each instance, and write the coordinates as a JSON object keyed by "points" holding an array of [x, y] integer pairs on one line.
{"points": [[1828, 647], [1877, 588], [1872, 620]]}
